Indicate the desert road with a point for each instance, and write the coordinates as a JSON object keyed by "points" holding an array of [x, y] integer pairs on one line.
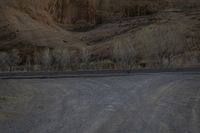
{"points": [[138, 103]]}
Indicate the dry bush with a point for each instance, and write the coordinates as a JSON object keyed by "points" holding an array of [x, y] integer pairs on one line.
{"points": [[161, 43], [9, 60], [124, 54], [46, 59], [14, 59], [85, 56], [61, 58], [4, 58]]}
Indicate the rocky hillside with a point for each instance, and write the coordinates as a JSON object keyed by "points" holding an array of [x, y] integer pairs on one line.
{"points": [[100, 33]]}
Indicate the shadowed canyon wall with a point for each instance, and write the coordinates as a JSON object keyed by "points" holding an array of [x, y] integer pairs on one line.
{"points": [[96, 11]]}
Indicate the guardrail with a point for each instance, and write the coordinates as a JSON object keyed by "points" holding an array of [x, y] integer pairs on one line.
{"points": [[96, 73]]}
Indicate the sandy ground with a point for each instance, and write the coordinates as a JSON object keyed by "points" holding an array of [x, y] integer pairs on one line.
{"points": [[146, 103]]}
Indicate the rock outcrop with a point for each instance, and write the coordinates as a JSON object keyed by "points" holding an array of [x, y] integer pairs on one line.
{"points": [[96, 11]]}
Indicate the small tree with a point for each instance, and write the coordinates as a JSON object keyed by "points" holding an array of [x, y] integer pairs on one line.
{"points": [[85, 55], [84, 58], [61, 58], [14, 59], [46, 59], [124, 54], [166, 49], [36, 60], [4, 58], [65, 60], [28, 63], [161, 43]]}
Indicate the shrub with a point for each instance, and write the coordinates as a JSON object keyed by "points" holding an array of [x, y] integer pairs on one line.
{"points": [[61, 58], [4, 59], [46, 59], [124, 54]]}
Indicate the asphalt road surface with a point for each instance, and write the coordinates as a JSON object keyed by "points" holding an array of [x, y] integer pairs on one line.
{"points": [[140, 103]]}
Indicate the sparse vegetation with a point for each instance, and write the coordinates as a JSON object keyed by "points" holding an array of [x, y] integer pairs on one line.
{"points": [[61, 59], [4, 61], [162, 43], [124, 54], [46, 59], [9, 60]]}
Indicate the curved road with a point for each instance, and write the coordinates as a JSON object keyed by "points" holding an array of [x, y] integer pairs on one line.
{"points": [[145, 103]]}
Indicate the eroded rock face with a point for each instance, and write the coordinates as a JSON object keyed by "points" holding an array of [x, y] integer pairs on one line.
{"points": [[84, 11], [91, 11], [95, 11], [71, 11]]}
